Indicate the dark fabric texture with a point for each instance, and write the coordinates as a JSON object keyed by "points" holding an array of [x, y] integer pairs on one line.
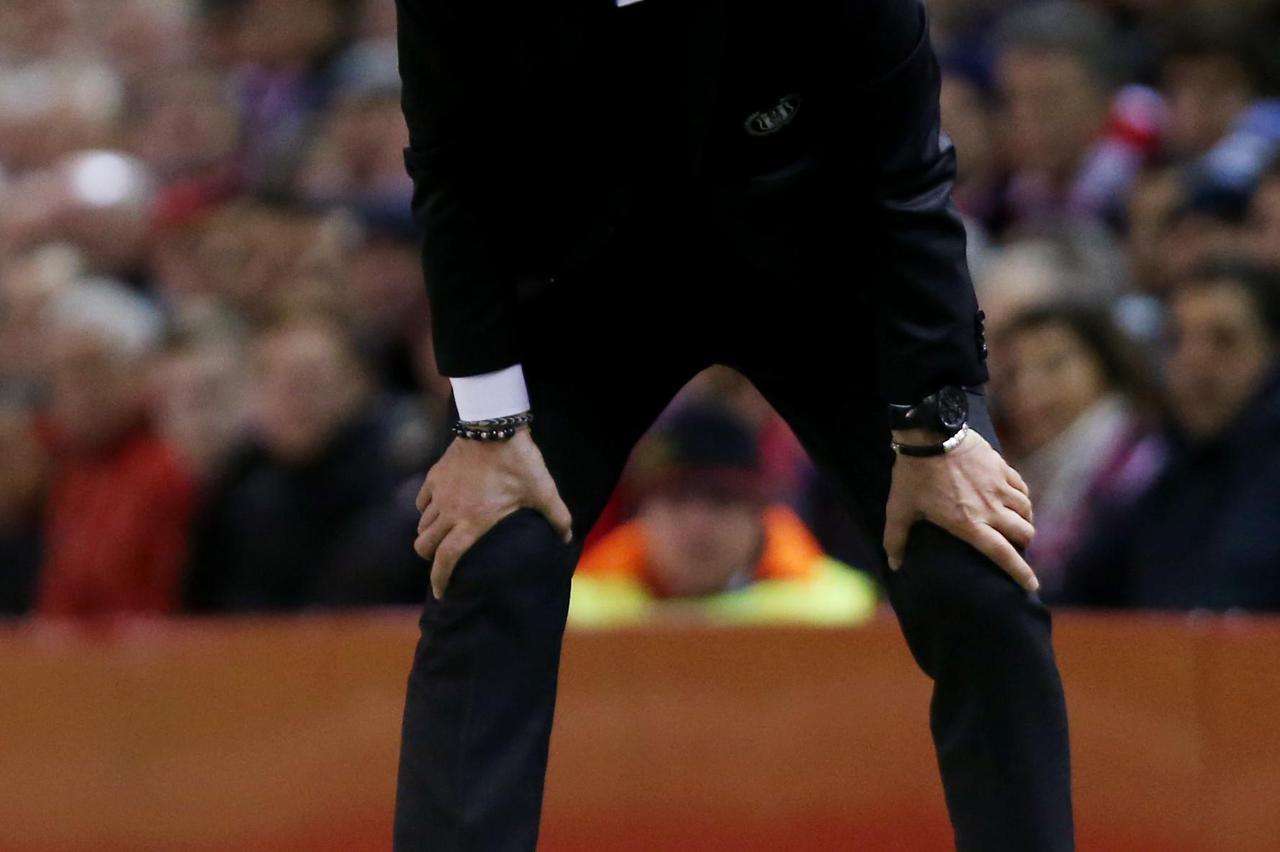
{"points": [[481, 693], [539, 132], [20, 555], [595, 207]]}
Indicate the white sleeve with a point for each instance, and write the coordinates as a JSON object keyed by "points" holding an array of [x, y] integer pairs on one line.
{"points": [[497, 394]]}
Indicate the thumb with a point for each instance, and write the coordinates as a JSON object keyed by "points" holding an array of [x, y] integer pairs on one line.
{"points": [[558, 514], [895, 539]]}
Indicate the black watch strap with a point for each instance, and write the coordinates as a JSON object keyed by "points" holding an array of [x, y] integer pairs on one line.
{"points": [[921, 450]]}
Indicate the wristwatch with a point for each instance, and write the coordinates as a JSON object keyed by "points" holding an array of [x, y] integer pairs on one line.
{"points": [[944, 412]]}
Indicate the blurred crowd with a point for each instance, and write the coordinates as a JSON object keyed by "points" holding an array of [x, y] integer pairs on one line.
{"points": [[217, 384]]}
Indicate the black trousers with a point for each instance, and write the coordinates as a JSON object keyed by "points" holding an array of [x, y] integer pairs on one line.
{"points": [[605, 350]]}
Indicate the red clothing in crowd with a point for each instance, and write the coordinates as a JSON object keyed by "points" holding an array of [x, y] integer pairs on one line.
{"points": [[116, 530]]}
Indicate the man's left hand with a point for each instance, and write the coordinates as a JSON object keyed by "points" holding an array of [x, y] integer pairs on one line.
{"points": [[972, 493]]}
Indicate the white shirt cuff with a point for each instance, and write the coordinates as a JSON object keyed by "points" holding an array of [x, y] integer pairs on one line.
{"points": [[500, 393]]}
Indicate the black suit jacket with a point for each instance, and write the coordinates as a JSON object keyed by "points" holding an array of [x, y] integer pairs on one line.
{"points": [[808, 128]]}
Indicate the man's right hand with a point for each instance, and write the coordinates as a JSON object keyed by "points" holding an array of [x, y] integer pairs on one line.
{"points": [[473, 486]]}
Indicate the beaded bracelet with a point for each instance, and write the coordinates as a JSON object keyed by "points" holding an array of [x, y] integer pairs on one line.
{"points": [[495, 429]]}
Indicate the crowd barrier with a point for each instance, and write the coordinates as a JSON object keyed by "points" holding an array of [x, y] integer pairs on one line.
{"points": [[281, 735]]}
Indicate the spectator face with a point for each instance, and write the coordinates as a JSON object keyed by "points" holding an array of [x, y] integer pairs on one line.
{"points": [[30, 28], [1151, 207], [1196, 238], [142, 36], [385, 296], [186, 123], [173, 265], [22, 467], [257, 259], [201, 402], [1221, 352], [1023, 274], [27, 285], [967, 120], [1264, 235], [285, 33], [1205, 94], [360, 150], [1053, 110], [1051, 380], [96, 391], [377, 20], [307, 386], [697, 545]]}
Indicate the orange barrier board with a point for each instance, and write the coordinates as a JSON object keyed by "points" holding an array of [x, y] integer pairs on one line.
{"points": [[282, 735]]}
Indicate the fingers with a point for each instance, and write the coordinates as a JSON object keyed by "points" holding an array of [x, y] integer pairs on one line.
{"points": [[558, 513], [992, 544], [429, 517], [1016, 480], [1013, 527], [896, 527], [430, 537], [424, 495], [1018, 502], [455, 543]]}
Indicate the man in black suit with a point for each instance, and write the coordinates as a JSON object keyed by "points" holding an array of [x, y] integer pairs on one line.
{"points": [[616, 194]]}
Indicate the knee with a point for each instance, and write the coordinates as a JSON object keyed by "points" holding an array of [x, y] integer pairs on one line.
{"points": [[955, 595], [518, 562]]}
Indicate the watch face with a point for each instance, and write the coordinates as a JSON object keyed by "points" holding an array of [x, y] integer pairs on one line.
{"points": [[953, 407]]}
